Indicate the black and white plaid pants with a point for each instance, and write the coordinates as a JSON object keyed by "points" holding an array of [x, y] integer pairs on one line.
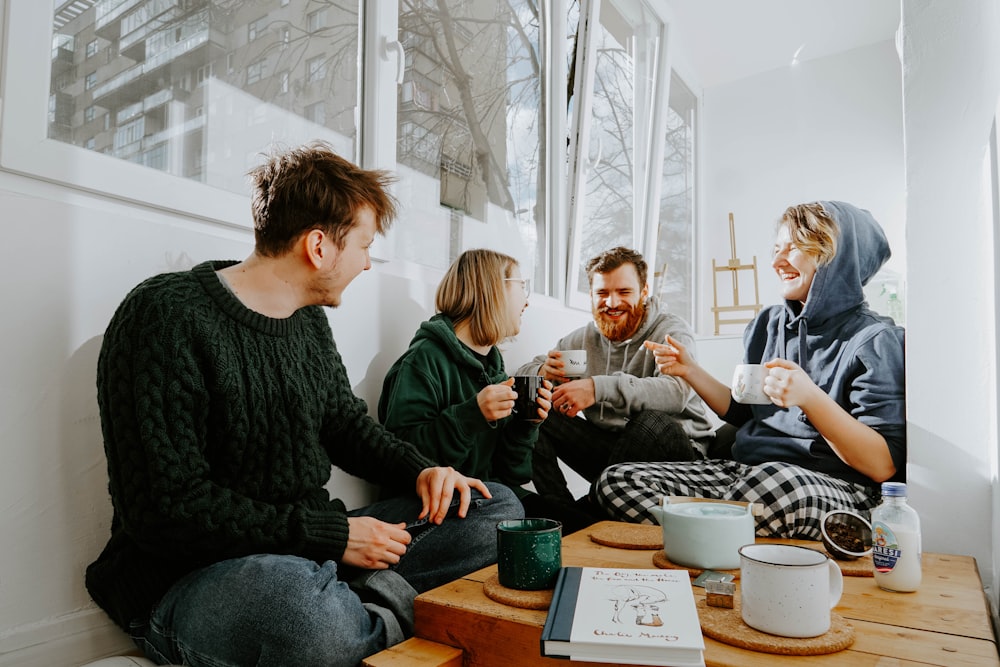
{"points": [[794, 499]]}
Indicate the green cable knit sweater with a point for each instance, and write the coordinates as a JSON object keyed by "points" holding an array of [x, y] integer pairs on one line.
{"points": [[220, 427]]}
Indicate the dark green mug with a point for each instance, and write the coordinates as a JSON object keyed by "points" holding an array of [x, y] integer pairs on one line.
{"points": [[529, 553]]}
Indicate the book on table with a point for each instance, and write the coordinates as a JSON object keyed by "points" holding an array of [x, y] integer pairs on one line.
{"points": [[624, 615]]}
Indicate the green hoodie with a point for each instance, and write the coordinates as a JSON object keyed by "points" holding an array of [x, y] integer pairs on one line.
{"points": [[429, 399]]}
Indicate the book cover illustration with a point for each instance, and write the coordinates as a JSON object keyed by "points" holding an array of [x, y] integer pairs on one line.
{"points": [[636, 607]]}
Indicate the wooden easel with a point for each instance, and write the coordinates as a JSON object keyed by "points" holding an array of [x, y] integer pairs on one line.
{"points": [[733, 266]]}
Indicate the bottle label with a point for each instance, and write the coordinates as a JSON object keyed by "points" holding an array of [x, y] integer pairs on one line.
{"points": [[885, 547]]}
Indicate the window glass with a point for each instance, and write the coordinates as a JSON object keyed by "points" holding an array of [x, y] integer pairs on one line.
{"points": [[674, 266], [617, 74], [189, 85], [608, 188], [469, 129]]}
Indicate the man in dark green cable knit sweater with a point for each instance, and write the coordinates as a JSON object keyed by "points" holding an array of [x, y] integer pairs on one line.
{"points": [[224, 403]]}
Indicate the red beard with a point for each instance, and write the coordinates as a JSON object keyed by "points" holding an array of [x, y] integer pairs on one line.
{"points": [[619, 330]]}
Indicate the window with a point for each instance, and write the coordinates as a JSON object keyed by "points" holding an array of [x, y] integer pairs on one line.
{"points": [[92, 48], [203, 74], [614, 115], [316, 20], [256, 28], [672, 270], [489, 147], [469, 131], [316, 69], [255, 72], [165, 68]]}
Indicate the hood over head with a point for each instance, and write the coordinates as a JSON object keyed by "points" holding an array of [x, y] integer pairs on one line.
{"points": [[862, 249], [838, 286]]}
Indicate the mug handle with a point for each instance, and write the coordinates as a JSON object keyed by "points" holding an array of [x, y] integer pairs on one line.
{"points": [[836, 582]]}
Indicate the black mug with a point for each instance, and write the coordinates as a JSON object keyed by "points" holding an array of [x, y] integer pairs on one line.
{"points": [[526, 403]]}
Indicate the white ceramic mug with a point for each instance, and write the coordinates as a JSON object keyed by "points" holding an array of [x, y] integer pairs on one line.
{"points": [[788, 590], [574, 363], [748, 384]]}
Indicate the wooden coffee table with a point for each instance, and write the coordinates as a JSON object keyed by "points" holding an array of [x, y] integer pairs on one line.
{"points": [[945, 623]]}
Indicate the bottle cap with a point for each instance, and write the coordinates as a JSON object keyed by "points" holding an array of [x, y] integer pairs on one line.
{"points": [[894, 489]]}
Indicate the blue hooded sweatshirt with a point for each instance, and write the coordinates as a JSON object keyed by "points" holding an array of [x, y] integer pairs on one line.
{"points": [[852, 353]]}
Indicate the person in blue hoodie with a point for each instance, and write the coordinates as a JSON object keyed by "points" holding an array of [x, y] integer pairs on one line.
{"points": [[449, 393], [836, 424]]}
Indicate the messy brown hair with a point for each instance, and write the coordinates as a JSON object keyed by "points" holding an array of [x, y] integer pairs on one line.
{"points": [[609, 260], [311, 187]]}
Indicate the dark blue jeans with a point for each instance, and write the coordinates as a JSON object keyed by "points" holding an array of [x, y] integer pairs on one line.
{"points": [[269, 610]]}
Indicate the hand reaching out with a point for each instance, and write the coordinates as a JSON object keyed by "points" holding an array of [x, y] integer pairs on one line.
{"points": [[671, 357]]}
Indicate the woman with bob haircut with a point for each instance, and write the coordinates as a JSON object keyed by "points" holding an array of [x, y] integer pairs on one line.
{"points": [[449, 393], [835, 426]]}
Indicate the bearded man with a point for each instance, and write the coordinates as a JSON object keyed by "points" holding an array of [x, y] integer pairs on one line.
{"points": [[622, 409]]}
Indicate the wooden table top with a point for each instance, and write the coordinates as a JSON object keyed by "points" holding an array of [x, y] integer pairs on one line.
{"points": [[946, 622]]}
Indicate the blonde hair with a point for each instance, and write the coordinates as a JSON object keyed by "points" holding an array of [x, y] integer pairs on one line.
{"points": [[473, 290], [812, 229]]}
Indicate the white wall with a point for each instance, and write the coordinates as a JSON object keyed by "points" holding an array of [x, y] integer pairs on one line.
{"points": [[829, 128], [66, 262], [951, 81]]}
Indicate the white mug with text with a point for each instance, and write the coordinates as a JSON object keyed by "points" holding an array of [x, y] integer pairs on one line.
{"points": [[574, 363]]}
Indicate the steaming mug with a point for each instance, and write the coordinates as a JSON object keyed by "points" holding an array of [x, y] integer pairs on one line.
{"points": [[788, 590]]}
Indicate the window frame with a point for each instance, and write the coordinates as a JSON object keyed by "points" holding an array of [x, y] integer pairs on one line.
{"points": [[25, 147], [646, 201]]}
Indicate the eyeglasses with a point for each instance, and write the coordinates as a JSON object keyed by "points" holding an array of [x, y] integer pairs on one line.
{"points": [[525, 283]]}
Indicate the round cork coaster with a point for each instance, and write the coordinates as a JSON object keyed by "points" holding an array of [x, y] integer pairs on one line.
{"points": [[859, 567], [727, 626], [661, 561], [515, 598], [628, 536]]}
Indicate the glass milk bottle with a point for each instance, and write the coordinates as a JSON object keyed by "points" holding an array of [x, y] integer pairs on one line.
{"points": [[896, 541]]}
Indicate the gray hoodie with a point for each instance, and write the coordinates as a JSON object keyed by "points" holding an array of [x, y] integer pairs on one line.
{"points": [[626, 379], [852, 353]]}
